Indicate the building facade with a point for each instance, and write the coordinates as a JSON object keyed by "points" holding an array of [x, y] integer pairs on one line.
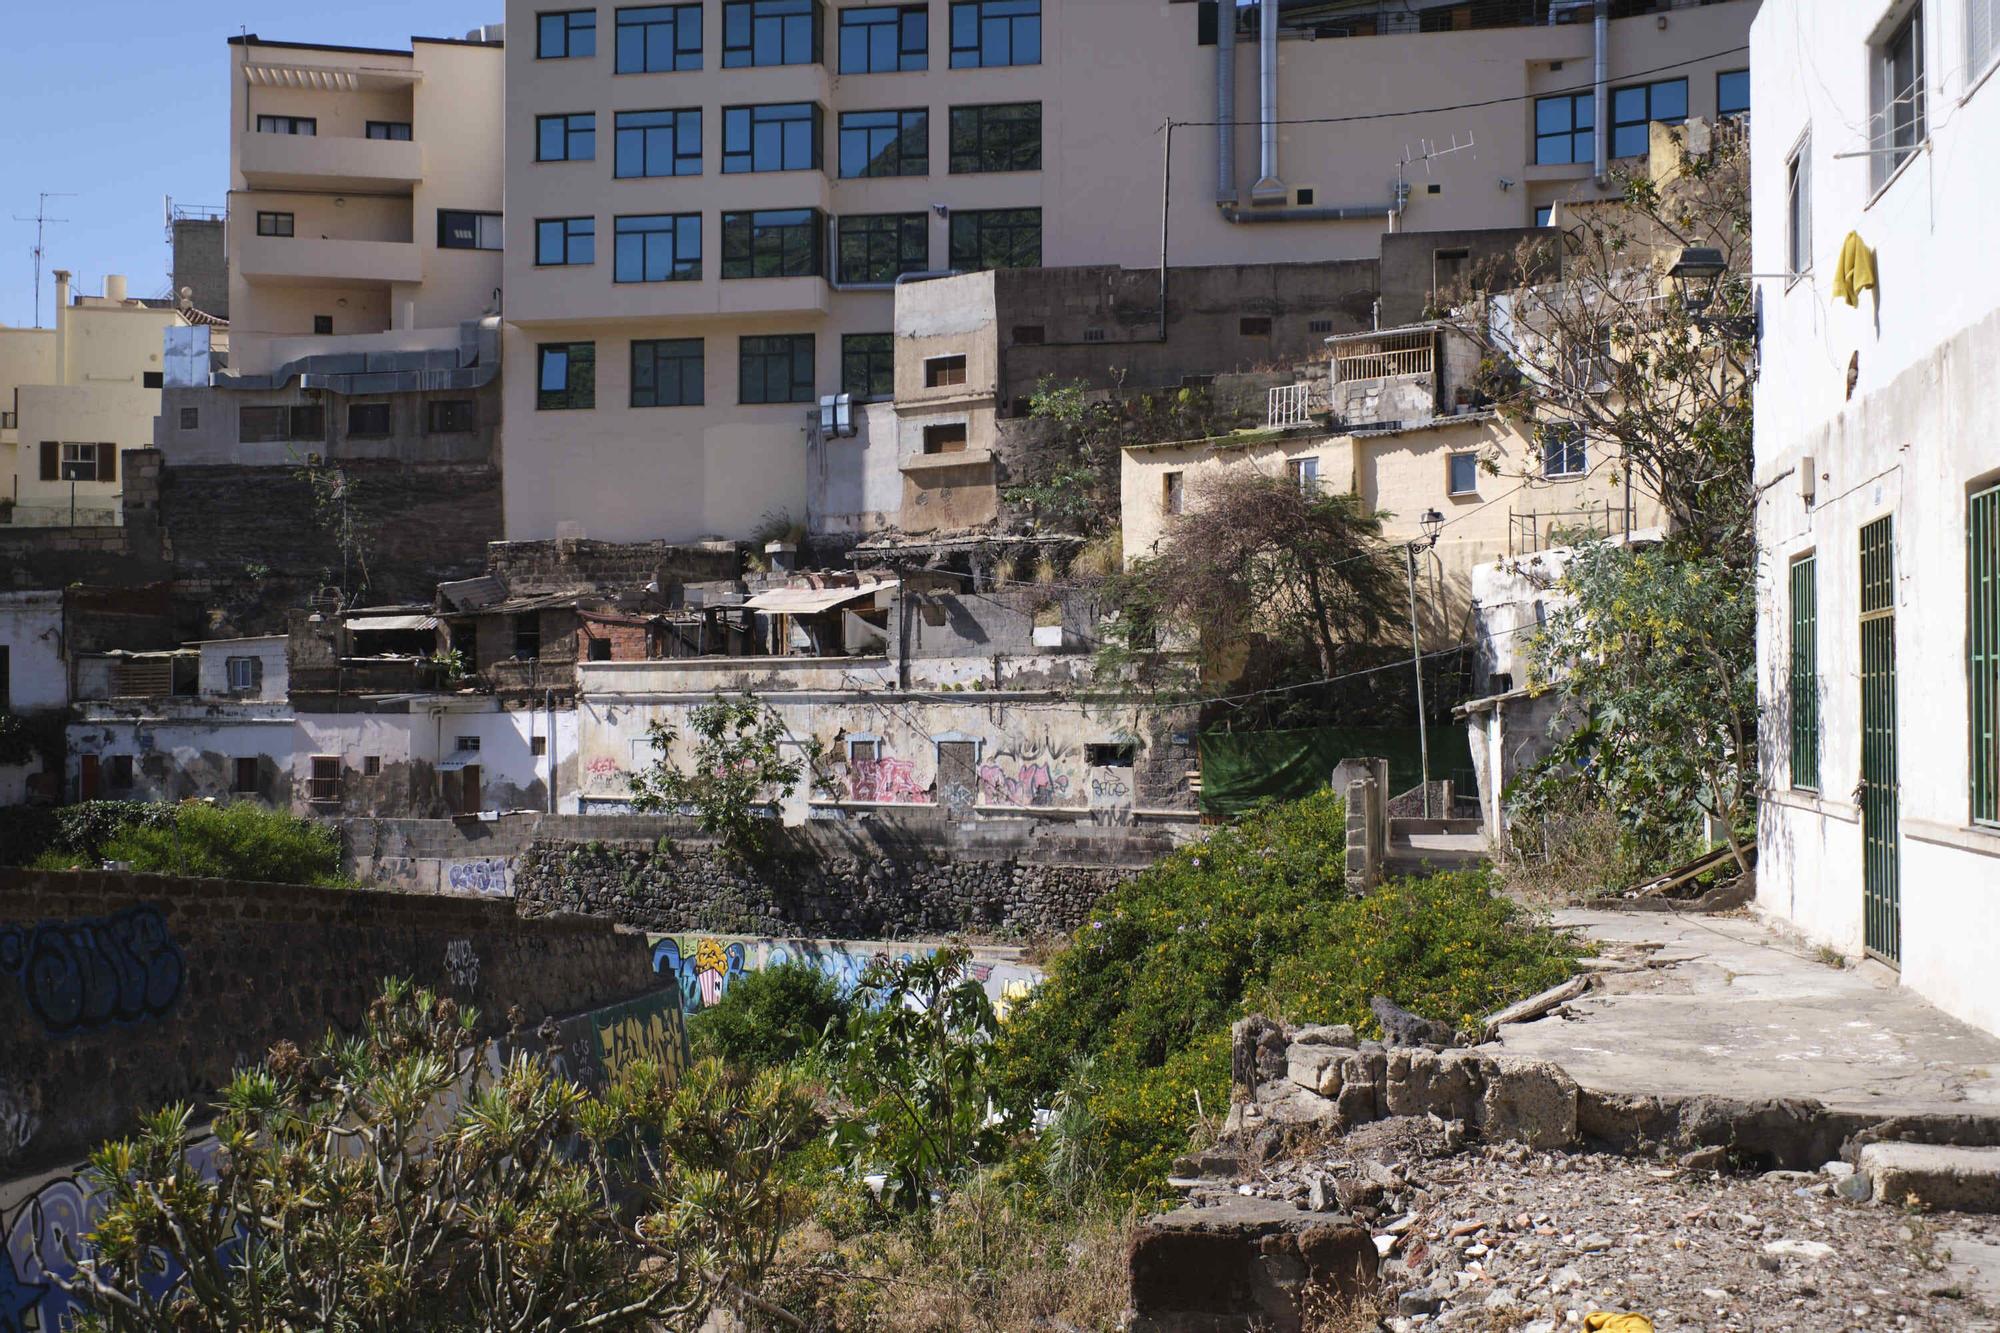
{"points": [[712, 204], [1877, 464]]}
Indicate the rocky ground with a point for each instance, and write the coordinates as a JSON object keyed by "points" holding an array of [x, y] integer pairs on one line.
{"points": [[1502, 1238]]}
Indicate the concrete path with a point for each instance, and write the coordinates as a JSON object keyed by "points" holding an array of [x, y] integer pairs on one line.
{"points": [[1726, 1006]]}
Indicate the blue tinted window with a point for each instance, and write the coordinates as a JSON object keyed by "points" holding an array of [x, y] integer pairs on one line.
{"points": [[656, 39], [885, 143], [781, 137], [568, 34], [770, 32], [1732, 92], [884, 40], [996, 32], [571, 138], [773, 243], [667, 372], [1563, 128], [1633, 109], [566, 241], [658, 143], [657, 247]]}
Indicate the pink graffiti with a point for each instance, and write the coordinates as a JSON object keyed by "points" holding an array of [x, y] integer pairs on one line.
{"points": [[890, 780], [1032, 784], [602, 767]]}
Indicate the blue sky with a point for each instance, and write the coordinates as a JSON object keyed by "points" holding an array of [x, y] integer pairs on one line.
{"points": [[123, 102]]}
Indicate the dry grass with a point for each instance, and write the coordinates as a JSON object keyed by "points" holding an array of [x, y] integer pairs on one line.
{"points": [[1579, 856], [1323, 1310]]}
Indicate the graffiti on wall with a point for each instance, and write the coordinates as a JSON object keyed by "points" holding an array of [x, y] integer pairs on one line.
{"points": [[77, 976], [889, 780], [704, 972], [491, 876], [1029, 784], [649, 1028], [461, 964], [706, 967]]}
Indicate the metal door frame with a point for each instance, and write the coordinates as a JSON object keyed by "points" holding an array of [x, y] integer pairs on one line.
{"points": [[1877, 790]]}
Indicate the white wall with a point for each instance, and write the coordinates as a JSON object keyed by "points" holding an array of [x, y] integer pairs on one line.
{"points": [[212, 676], [31, 631], [1912, 440]]}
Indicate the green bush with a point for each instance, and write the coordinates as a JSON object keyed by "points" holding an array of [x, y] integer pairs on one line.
{"points": [[78, 832], [769, 1017], [241, 841], [1255, 918]]}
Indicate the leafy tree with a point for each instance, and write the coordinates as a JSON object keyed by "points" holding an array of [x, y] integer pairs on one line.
{"points": [[241, 840], [387, 1183], [1068, 481], [769, 1017], [737, 766], [913, 1077]]}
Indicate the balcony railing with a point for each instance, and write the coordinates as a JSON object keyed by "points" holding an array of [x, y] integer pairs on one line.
{"points": [[1289, 405], [1390, 355], [1381, 19]]}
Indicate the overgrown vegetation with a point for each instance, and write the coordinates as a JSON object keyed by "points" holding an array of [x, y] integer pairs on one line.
{"points": [[242, 841], [736, 770]]}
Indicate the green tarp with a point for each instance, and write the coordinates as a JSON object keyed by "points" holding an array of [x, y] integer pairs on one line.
{"points": [[1241, 768]]}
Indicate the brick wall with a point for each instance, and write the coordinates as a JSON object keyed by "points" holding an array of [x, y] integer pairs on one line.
{"points": [[120, 992], [532, 568]]}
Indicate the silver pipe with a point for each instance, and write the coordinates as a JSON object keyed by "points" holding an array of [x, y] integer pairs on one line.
{"points": [[1601, 90], [1351, 213], [1225, 102], [1268, 189]]}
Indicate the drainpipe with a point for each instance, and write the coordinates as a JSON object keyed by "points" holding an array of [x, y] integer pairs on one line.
{"points": [[1600, 92], [1268, 189], [1225, 102], [549, 730]]}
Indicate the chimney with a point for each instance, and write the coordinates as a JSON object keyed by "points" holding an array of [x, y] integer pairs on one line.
{"points": [[784, 556], [62, 321], [114, 288]]}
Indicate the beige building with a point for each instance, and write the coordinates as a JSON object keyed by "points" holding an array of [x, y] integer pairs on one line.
{"points": [[365, 196], [711, 204], [76, 397]]}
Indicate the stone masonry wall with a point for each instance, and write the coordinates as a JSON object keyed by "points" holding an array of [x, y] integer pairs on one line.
{"points": [[120, 992]]}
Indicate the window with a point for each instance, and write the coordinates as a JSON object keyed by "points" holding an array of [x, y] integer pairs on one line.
{"points": [[565, 241], [1254, 326], [863, 750], [567, 378], [1462, 474], [997, 238], [1633, 109], [449, 416], [79, 463], [1002, 137], [770, 32], [1545, 216], [459, 229], [1173, 492], [775, 369], [1563, 127], [943, 371], [566, 138], [885, 143], [262, 425], [568, 34], [1805, 674], [245, 674], [885, 40], [784, 136], [1982, 36], [190, 418], [1732, 92], [1319, 326], [120, 771], [154, 379], [1304, 473], [656, 247], [868, 365], [774, 243], [322, 324], [1982, 662], [948, 438], [324, 785], [658, 143], [538, 745], [466, 745], [658, 39], [667, 372], [1030, 335], [371, 766], [527, 636], [369, 420], [388, 129], [246, 776], [599, 651], [1110, 754], [1563, 452], [1798, 208], [1896, 97], [1094, 334], [306, 125], [274, 224], [996, 32], [879, 247]]}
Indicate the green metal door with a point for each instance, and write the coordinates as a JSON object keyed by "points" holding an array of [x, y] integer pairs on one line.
{"points": [[1880, 886]]}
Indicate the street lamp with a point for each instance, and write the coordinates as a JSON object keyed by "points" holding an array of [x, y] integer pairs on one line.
{"points": [[1433, 524], [1699, 263]]}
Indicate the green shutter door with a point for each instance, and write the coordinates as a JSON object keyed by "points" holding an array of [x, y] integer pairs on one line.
{"points": [[1982, 647], [1880, 887], [1805, 674]]}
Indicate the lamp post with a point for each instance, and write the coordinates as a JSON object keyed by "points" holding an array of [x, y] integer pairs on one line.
{"points": [[1433, 523]]}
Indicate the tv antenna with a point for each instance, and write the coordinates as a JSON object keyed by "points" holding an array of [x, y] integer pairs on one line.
{"points": [[41, 219]]}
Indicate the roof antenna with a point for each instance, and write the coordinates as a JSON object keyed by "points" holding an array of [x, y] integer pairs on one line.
{"points": [[41, 219]]}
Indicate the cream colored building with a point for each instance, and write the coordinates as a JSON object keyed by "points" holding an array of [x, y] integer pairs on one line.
{"points": [[828, 149], [365, 196], [73, 399]]}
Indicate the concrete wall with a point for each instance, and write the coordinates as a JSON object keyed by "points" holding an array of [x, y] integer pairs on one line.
{"points": [[212, 972], [201, 264], [31, 639], [212, 678], [706, 965], [216, 435], [1910, 439]]}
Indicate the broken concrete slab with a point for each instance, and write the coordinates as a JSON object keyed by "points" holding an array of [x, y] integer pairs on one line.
{"points": [[1240, 1263], [1527, 1101], [1934, 1176]]}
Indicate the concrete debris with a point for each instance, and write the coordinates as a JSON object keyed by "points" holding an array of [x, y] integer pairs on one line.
{"points": [[1400, 1027], [1934, 1176]]}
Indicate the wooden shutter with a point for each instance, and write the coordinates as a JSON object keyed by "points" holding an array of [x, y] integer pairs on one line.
{"points": [[51, 461], [107, 462], [256, 675]]}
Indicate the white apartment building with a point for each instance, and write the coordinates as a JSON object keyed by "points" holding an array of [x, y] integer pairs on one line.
{"points": [[711, 203], [1879, 528]]}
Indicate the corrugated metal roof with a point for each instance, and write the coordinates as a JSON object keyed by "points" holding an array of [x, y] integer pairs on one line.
{"points": [[373, 624], [807, 601], [473, 594]]}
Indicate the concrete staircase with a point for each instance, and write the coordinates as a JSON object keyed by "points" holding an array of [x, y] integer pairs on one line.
{"points": [[1418, 845]]}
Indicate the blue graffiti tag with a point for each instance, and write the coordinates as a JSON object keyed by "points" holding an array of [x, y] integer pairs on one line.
{"points": [[705, 975], [80, 975]]}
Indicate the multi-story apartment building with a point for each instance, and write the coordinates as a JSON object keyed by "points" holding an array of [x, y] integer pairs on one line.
{"points": [[711, 204], [1878, 466]]}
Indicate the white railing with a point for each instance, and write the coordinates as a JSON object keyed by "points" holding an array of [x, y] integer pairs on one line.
{"points": [[1383, 357], [1289, 405]]}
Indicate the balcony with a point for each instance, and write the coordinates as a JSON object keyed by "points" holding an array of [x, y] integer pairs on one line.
{"points": [[307, 261], [309, 162]]}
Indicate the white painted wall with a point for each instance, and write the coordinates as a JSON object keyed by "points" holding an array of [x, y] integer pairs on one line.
{"points": [[1916, 435], [212, 673], [31, 631]]}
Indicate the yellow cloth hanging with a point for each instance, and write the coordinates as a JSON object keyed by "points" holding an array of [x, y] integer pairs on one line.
{"points": [[1855, 273], [1600, 1322]]}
